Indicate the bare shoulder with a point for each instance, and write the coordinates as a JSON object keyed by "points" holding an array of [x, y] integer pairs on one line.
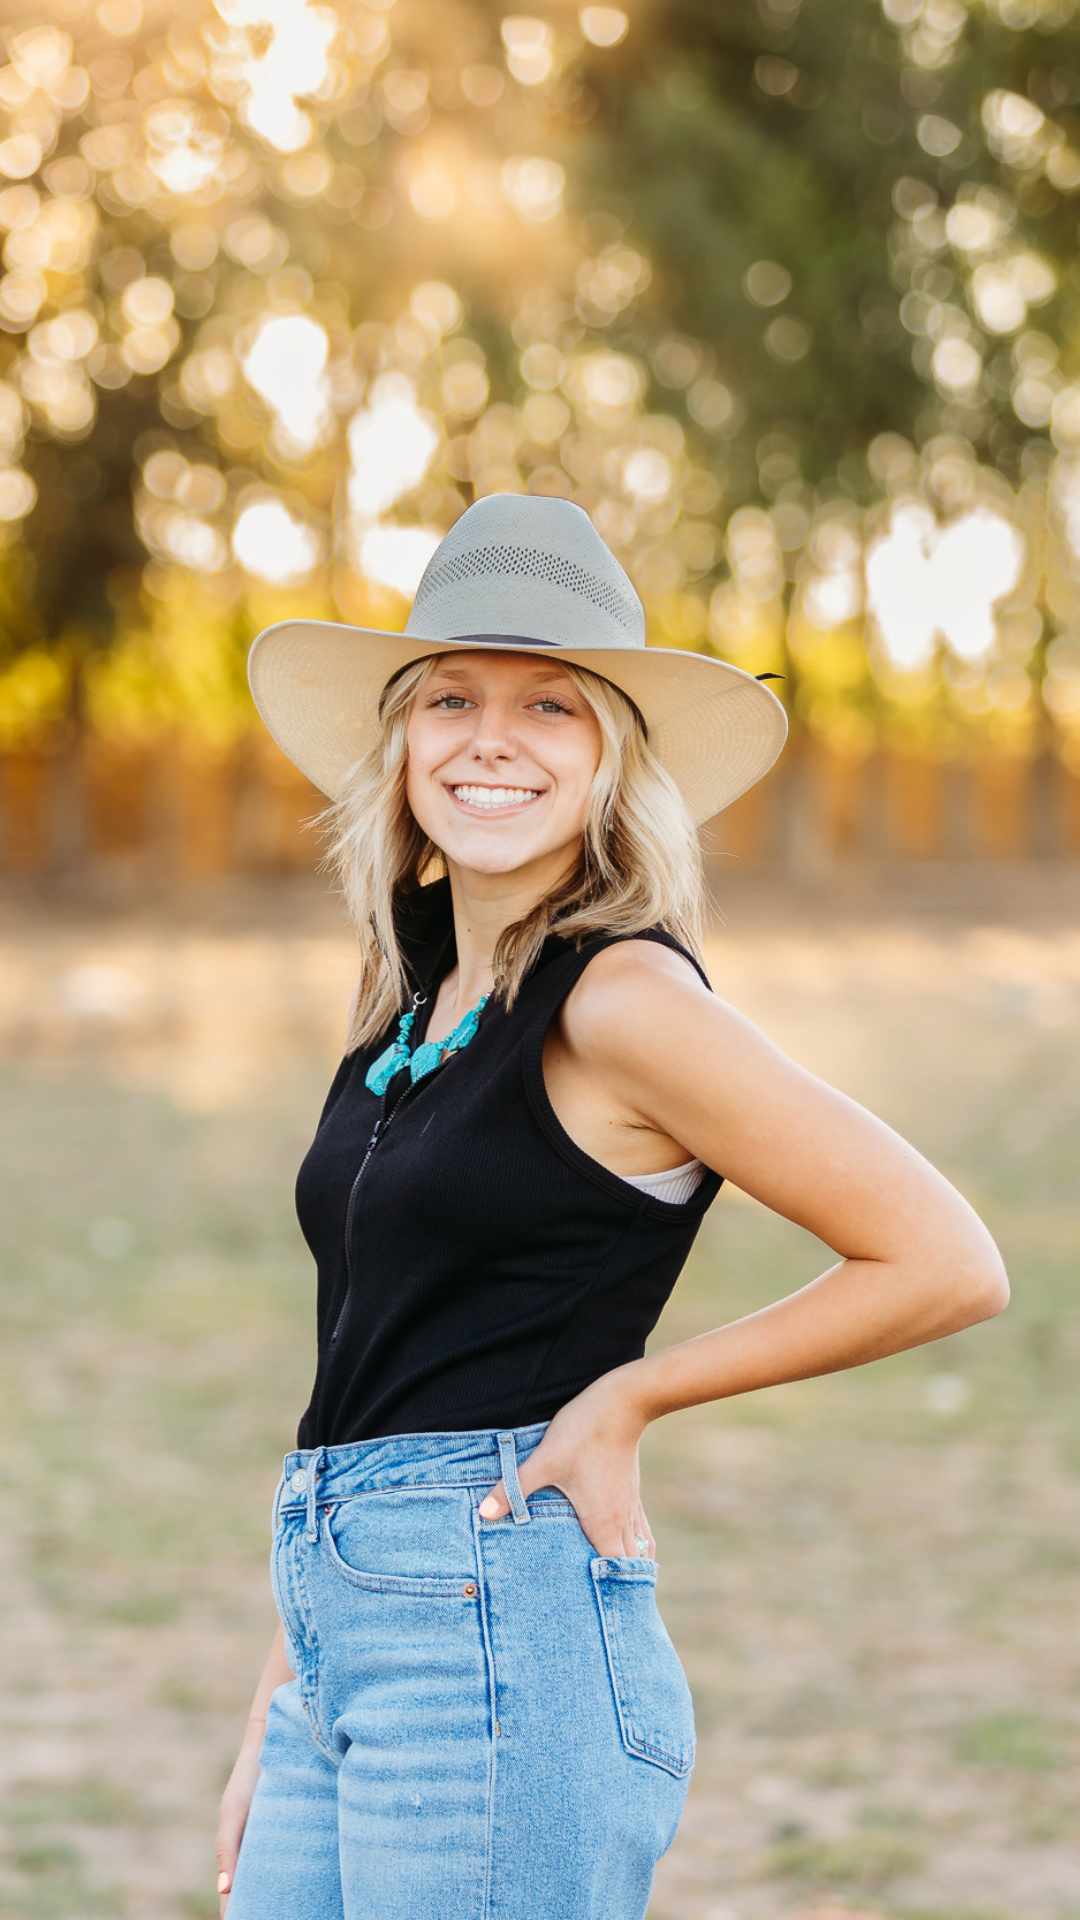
{"points": [[637, 966], [627, 989]]}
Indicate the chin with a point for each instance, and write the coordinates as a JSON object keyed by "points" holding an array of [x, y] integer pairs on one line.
{"points": [[490, 860], [489, 850]]}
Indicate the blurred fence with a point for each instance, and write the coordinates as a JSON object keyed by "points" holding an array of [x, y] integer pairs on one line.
{"points": [[822, 808], [179, 810]]}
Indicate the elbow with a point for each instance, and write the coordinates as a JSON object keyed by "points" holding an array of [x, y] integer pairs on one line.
{"points": [[997, 1295], [982, 1292], [974, 1283]]}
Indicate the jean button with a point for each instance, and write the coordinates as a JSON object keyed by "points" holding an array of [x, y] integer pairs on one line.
{"points": [[298, 1480], [469, 1589]]}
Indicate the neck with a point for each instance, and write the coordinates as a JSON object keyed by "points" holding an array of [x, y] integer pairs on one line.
{"points": [[485, 904]]}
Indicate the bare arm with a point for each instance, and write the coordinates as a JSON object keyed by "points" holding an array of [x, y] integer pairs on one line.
{"points": [[236, 1799], [916, 1262]]}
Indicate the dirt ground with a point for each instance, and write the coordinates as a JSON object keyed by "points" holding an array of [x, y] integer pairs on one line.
{"points": [[873, 1580]]}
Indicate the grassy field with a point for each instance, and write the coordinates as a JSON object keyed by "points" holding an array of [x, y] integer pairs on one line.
{"points": [[873, 1580]]}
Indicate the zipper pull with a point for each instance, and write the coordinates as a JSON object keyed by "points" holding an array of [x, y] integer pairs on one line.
{"points": [[374, 1141]]}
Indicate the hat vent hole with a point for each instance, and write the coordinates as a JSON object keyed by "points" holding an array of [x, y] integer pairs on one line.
{"points": [[526, 561]]}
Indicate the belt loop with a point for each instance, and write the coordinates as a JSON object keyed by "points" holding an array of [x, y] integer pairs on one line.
{"points": [[508, 1463], [315, 1466]]}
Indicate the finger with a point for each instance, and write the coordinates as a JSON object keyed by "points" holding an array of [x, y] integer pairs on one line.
{"points": [[496, 1505], [605, 1532], [226, 1858], [226, 1850], [638, 1538], [608, 1540], [227, 1847], [543, 1468], [612, 1541]]}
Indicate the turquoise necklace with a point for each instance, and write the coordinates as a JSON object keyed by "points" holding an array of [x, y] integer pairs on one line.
{"points": [[427, 1057]]}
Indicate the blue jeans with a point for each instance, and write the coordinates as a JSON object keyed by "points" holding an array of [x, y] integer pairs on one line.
{"points": [[488, 1721]]}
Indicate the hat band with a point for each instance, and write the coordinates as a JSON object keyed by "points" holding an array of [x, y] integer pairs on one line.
{"points": [[497, 640]]}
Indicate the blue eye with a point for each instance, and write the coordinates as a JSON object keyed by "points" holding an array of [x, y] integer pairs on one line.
{"points": [[551, 705], [455, 701]]}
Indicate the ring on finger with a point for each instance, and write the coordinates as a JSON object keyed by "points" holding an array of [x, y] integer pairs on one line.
{"points": [[641, 1543]]}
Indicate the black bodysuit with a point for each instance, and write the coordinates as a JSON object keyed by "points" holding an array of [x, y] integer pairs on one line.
{"points": [[481, 1269]]}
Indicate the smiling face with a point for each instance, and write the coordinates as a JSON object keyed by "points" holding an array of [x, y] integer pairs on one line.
{"points": [[502, 752]]}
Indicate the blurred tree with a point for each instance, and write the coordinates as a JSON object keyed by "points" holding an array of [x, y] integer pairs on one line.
{"points": [[862, 228], [286, 284], [856, 213]]}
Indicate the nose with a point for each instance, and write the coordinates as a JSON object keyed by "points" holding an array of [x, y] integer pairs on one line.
{"points": [[493, 733]]}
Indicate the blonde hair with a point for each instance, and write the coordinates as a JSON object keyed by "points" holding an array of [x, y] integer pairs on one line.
{"points": [[640, 863]]}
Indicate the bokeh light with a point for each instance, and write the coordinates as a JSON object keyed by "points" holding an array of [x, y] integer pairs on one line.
{"points": [[304, 280], [391, 444], [397, 556], [924, 581], [274, 544], [286, 364], [604, 26]]}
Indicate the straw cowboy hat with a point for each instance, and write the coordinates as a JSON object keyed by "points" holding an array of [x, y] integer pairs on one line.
{"points": [[524, 574]]}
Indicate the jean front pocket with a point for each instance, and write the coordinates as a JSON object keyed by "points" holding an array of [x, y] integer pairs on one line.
{"points": [[348, 1544], [652, 1699]]}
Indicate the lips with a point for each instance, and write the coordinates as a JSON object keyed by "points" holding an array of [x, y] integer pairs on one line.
{"points": [[494, 799]]}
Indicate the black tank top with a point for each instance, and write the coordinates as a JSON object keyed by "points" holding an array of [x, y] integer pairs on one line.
{"points": [[476, 1268]]}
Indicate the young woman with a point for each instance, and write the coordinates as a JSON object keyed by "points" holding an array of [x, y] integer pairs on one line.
{"points": [[540, 1097]]}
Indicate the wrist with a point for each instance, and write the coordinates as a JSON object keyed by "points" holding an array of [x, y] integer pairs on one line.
{"points": [[626, 1399], [643, 1391]]}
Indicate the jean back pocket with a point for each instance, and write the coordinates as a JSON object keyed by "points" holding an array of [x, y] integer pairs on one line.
{"points": [[652, 1699]]}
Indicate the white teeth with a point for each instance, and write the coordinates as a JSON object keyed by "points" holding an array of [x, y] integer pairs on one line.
{"points": [[495, 796]]}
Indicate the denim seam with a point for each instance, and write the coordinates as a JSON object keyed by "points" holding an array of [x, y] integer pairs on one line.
{"points": [[485, 1479], [311, 1632], [493, 1709], [544, 1507]]}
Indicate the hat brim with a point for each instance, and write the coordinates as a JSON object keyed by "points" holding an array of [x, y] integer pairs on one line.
{"points": [[317, 685]]}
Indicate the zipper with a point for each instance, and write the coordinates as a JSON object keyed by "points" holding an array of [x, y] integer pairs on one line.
{"points": [[381, 1125]]}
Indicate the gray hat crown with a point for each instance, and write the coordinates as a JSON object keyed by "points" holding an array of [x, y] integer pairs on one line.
{"points": [[527, 567]]}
